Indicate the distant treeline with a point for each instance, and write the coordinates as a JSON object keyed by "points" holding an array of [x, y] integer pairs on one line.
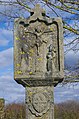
{"points": [[65, 110], [15, 111]]}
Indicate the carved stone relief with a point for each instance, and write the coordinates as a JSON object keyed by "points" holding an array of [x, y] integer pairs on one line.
{"points": [[39, 61], [39, 100], [38, 47]]}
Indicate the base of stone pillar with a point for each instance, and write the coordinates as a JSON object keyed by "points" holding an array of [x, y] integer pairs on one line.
{"points": [[40, 102]]}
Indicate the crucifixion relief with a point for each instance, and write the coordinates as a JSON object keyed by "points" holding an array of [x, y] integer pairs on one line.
{"points": [[39, 60]]}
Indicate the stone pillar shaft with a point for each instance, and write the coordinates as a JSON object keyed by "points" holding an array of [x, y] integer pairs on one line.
{"points": [[40, 102], [1, 108]]}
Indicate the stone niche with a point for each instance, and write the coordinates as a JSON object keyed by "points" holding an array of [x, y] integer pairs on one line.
{"points": [[38, 49]]}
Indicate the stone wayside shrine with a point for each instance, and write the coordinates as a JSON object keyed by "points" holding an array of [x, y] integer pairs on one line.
{"points": [[38, 61]]}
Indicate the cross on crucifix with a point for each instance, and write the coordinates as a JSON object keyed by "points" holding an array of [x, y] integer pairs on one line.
{"points": [[37, 12]]}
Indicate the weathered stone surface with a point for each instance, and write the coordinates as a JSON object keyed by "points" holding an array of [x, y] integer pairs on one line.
{"points": [[38, 48], [1, 108], [39, 61], [40, 102]]}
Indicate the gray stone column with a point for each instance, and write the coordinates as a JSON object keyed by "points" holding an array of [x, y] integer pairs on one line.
{"points": [[1, 108], [40, 102], [39, 61]]}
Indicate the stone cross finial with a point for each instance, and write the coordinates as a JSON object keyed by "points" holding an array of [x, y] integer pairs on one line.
{"points": [[37, 12]]}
